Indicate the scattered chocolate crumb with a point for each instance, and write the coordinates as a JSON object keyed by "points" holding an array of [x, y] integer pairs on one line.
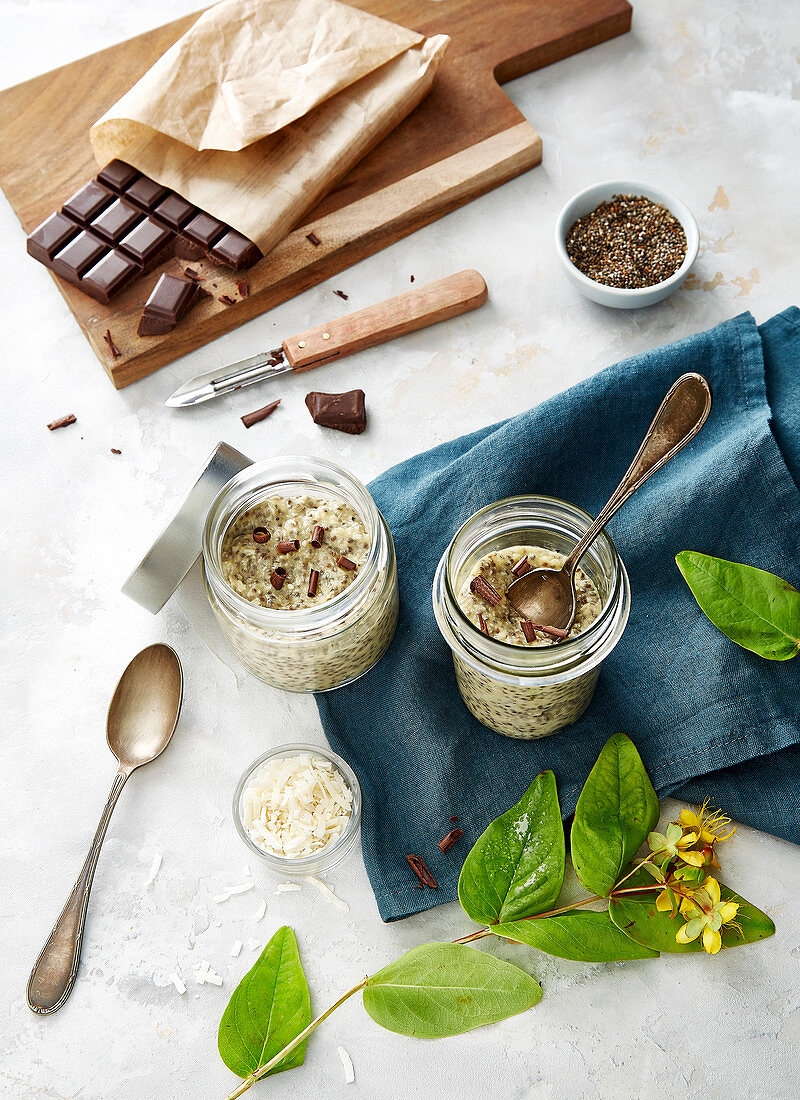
{"points": [[195, 276], [116, 451], [447, 842], [249, 419], [341, 294], [63, 422], [112, 347], [412, 278], [313, 238], [479, 586], [214, 285], [277, 353], [244, 288], [227, 300], [454, 817]]}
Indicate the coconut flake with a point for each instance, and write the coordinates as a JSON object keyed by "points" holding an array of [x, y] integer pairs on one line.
{"points": [[219, 898], [327, 893], [178, 983], [236, 948], [259, 913], [242, 888], [287, 887], [347, 1062], [255, 945], [154, 869]]}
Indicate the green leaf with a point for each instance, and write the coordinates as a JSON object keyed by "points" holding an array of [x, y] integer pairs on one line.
{"points": [[580, 934], [639, 919], [755, 609], [269, 1007], [446, 988], [616, 810], [516, 867]]}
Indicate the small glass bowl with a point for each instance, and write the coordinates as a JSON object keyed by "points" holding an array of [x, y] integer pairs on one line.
{"points": [[328, 857]]}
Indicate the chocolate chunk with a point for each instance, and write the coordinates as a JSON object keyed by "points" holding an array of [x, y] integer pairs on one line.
{"points": [[345, 412], [203, 230], [72, 262], [170, 300], [116, 221], [148, 243], [87, 202], [113, 272], [50, 237], [187, 250], [146, 193], [236, 251], [117, 175], [175, 212]]}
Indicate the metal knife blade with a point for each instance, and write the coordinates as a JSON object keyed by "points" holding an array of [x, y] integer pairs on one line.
{"points": [[225, 379]]}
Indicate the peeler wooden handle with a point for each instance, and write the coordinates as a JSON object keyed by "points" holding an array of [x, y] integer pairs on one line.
{"points": [[415, 309]]}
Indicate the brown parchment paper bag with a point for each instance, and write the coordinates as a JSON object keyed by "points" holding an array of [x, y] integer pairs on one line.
{"points": [[263, 105]]}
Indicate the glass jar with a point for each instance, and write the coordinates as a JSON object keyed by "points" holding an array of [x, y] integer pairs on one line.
{"points": [[314, 648], [521, 691]]}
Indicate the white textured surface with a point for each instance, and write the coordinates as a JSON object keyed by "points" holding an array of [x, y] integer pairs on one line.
{"points": [[700, 99]]}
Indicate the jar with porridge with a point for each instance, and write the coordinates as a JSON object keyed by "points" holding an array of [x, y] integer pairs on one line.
{"points": [[299, 568], [523, 679]]}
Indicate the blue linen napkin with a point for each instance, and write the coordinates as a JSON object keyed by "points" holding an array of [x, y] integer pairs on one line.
{"points": [[709, 718]]}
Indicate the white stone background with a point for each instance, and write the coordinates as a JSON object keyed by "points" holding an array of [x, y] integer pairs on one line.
{"points": [[700, 98]]}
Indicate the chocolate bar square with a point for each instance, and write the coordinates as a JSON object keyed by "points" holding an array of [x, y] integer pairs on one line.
{"points": [[72, 262], [117, 175], [204, 230], [236, 251], [169, 301], [87, 202], [146, 193], [116, 221], [147, 243], [50, 237], [109, 276], [175, 212]]}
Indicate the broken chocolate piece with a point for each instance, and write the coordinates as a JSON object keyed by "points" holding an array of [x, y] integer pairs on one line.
{"points": [[63, 422], [345, 412], [72, 262], [236, 251], [113, 272], [116, 221], [87, 202], [249, 419], [148, 243], [117, 175], [170, 300], [50, 237], [146, 193], [203, 230], [188, 250], [175, 212]]}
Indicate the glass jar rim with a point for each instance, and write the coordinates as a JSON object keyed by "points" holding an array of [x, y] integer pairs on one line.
{"points": [[326, 857], [518, 664], [284, 474]]}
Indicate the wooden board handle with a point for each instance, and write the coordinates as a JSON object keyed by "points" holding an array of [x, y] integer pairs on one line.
{"points": [[418, 308]]}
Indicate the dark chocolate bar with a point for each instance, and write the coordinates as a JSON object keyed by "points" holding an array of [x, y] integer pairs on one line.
{"points": [[146, 193], [72, 262], [116, 221], [175, 212], [87, 202], [170, 300], [346, 412], [147, 243], [50, 237], [204, 230], [108, 277], [117, 175], [236, 251]]}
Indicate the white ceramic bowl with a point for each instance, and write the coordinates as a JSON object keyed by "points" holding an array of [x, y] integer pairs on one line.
{"points": [[617, 297]]}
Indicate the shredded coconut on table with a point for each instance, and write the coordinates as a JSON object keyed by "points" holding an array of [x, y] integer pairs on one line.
{"points": [[347, 1062], [177, 982], [296, 805], [155, 866], [236, 948], [327, 893], [259, 913]]}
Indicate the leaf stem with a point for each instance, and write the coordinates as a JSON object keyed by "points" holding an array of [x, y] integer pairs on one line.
{"points": [[636, 889], [257, 1074], [536, 916], [638, 867]]}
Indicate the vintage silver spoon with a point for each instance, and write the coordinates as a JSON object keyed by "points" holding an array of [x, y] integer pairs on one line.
{"points": [[141, 720], [547, 596]]}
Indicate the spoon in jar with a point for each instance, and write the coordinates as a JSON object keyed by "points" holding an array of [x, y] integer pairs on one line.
{"points": [[141, 720], [547, 596]]}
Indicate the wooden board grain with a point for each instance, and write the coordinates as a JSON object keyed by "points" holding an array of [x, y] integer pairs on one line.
{"points": [[465, 138]]}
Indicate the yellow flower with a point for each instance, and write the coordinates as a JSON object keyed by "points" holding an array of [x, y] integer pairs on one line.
{"points": [[675, 844], [709, 827], [706, 913]]}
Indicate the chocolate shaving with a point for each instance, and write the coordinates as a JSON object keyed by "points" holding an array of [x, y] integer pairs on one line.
{"points": [[482, 624], [345, 563], [249, 419], [313, 581], [63, 422], [244, 288], [261, 534], [317, 535], [479, 586], [412, 278], [522, 567], [553, 631], [341, 294], [288, 546], [312, 236], [448, 841], [116, 451], [227, 300], [277, 353], [420, 869], [454, 817], [195, 276], [277, 578], [529, 630], [346, 412], [112, 347]]}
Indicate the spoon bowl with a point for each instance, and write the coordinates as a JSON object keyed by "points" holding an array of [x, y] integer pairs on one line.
{"points": [[145, 706]]}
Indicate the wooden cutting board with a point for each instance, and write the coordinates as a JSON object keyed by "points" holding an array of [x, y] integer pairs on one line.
{"points": [[465, 138]]}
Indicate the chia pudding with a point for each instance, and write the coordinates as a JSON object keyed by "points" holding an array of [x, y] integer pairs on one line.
{"points": [[303, 580]]}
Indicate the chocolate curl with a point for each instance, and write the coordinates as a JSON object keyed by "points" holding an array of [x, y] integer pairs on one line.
{"points": [[277, 578], [112, 347], [345, 563], [529, 630], [261, 534], [454, 818], [317, 535], [553, 631], [249, 419], [288, 546], [447, 842], [479, 586], [313, 581], [421, 870], [522, 567], [482, 624], [62, 423]]}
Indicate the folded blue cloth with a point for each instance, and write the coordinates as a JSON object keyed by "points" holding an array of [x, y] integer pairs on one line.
{"points": [[709, 718]]}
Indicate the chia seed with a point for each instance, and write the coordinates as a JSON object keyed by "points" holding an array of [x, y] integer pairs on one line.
{"points": [[628, 242]]}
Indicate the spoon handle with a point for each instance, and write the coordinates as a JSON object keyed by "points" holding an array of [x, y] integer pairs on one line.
{"points": [[680, 417], [54, 972]]}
